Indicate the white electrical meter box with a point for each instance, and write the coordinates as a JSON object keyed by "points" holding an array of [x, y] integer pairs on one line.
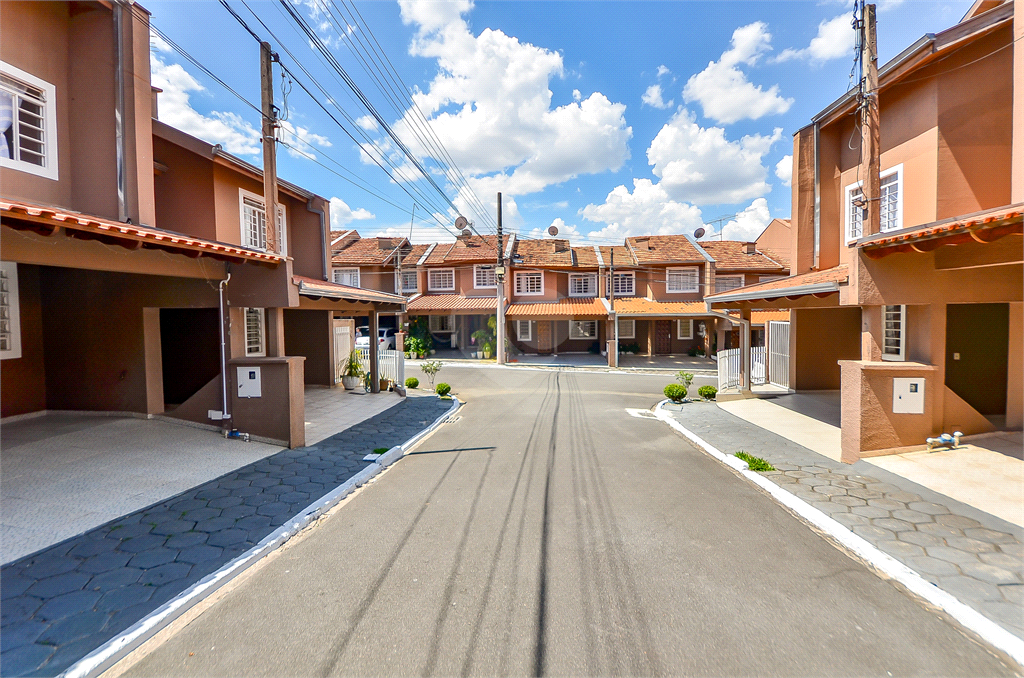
{"points": [[250, 383], [908, 395]]}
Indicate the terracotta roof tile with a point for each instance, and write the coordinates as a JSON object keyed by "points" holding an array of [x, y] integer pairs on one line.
{"points": [[369, 252], [774, 289], [774, 255], [730, 255], [547, 253], [987, 226], [586, 257], [642, 306], [413, 257], [339, 240], [471, 249], [452, 303], [764, 317], [563, 308], [623, 259], [311, 287], [651, 249]]}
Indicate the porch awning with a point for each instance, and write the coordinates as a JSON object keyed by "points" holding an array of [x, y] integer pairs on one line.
{"points": [[318, 289], [982, 227], [567, 308], [630, 307], [47, 221], [817, 283], [451, 304]]}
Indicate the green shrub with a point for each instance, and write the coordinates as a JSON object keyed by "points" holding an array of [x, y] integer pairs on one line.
{"points": [[443, 389], [675, 392], [412, 382], [633, 347], [755, 463], [707, 392], [684, 378]]}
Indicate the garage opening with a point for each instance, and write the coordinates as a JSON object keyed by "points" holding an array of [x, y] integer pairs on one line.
{"points": [[190, 352]]}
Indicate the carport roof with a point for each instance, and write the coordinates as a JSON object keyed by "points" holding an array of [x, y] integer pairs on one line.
{"points": [[984, 227], [309, 287], [452, 303], [563, 308], [640, 306], [818, 283]]}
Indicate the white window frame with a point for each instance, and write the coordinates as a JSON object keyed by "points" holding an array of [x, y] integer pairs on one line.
{"points": [[857, 188], [528, 334], [900, 339], [438, 271], [627, 333], [282, 222], [400, 281], [718, 278], [576, 325], [10, 310], [487, 271], [691, 286], [591, 283], [341, 273], [434, 325], [629, 275], [262, 351], [680, 324], [49, 169], [520, 289]]}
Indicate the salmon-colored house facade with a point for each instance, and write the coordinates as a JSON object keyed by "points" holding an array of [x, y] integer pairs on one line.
{"points": [[918, 325]]}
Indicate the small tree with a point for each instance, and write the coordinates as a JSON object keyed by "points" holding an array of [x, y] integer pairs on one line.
{"points": [[684, 378], [431, 368]]}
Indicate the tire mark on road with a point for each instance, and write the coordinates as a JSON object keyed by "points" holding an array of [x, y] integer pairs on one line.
{"points": [[540, 652]]}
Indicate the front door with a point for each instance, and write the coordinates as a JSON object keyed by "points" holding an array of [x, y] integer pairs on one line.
{"points": [[977, 352], [543, 336], [662, 337]]}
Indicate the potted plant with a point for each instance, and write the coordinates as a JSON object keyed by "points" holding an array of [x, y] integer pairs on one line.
{"points": [[488, 349], [351, 371]]}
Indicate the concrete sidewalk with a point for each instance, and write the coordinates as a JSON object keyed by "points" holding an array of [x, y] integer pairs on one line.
{"points": [[63, 602], [973, 555]]}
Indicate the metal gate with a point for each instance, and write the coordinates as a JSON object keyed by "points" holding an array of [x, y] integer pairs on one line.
{"points": [[728, 369], [757, 366], [778, 353], [342, 349]]}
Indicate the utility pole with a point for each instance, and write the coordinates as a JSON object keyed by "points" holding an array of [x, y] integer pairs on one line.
{"points": [[267, 58], [869, 129], [615, 318], [499, 276]]}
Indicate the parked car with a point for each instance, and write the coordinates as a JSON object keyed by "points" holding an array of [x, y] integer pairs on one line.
{"points": [[385, 338]]}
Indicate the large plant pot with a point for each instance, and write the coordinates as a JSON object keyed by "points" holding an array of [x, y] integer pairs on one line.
{"points": [[349, 382]]}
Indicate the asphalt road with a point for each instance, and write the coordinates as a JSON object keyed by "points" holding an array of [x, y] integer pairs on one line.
{"points": [[548, 532]]}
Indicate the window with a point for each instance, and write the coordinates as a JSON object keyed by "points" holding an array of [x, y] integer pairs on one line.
{"points": [[254, 223], [724, 283], [255, 344], [10, 312], [524, 330], [442, 323], [441, 280], [624, 286], [684, 328], [347, 276], [894, 324], [627, 328], [484, 278], [582, 285], [28, 123], [890, 204], [409, 281], [682, 280], [583, 329], [530, 283]]}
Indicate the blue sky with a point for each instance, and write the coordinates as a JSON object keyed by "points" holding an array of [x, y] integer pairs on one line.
{"points": [[605, 119]]}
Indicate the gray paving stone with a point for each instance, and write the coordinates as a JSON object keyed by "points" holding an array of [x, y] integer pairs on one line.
{"points": [[234, 484], [873, 533], [849, 501], [1013, 549], [830, 491], [1012, 593], [990, 573], [213, 493], [24, 633], [25, 659], [92, 547], [911, 516], [186, 505], [1003, 560], [181, 541], [952, 555], [132, 531], [830, 508], [58, 585], [1004, 613], [14, 585], [215, 524], [73, 628], [893, 524], [990, 536], [968, 590], [104, 562], [173, 527], [899, 549], [940, 530], [241, 511], [253, 523], [870, 511], [813, 481], [115, 579], [143, 543], [165, 573], [225, 502], [124, 597], [882, 487], [203, 514], [851, 519], [199, 554], [68, 604], [887, 504], [153, 558], [273, 509], [41, 568], [927, 507], [920, 538], [927, 565], [227, 537], [798, 474], [903, 497], [19, 607], [848, 485]]}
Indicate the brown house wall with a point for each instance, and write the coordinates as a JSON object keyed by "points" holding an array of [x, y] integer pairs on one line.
{"points": [[824, 336], [306, 241], [23, 380], [307, 333], [184, 193]]}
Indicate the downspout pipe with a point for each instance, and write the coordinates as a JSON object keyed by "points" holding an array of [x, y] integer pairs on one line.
{"points": [[225, 415], [121, 149]]}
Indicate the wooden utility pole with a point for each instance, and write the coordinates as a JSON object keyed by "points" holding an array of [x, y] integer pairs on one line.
{"points": [[869, 130], [499, 279], [267, 59], [614, 349]]}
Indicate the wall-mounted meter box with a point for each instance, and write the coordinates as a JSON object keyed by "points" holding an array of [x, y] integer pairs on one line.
{"points": [[908, 395], [250, 383]]}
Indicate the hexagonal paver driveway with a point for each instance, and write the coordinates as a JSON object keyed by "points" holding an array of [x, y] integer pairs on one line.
{"points": [[61, 603]]}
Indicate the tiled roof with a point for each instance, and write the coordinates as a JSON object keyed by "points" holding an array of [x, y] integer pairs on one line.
{"points": [[774, 255], [547, 253], [730, 255], [368, 252], [563, 308], [623, 258], [471, 249], [586, 257], [46, 221], [311, 287], [984, 227], [414, 255], [451, 303], [764, 317], [813, 282], [651, 249], [643, 306]]}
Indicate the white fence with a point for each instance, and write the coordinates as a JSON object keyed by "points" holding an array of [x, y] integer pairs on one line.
{"points": [[778, 353], [342, 349], [391, 364], [728, 369], [758, 375]]}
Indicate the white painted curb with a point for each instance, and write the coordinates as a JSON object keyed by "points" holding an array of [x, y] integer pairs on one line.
{"points": [[989, 631], [115, 649]]}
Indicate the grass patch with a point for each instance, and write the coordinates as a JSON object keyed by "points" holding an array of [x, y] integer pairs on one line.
{"points": [[380, 450], [755, 463]]}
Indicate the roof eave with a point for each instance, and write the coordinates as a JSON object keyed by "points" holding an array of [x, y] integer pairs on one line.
{"points": [[775, 293]]}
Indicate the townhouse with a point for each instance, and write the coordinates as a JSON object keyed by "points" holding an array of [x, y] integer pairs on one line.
{"points": [[136, 273], [918, 325]]}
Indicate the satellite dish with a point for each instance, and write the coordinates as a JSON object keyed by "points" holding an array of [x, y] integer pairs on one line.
{"points": [[466, 232], [461, 223], [552, 231], [699, 233]]}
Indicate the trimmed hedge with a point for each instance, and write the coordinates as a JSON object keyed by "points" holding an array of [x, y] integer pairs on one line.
{"points": [[675, 392], [443, 389], [412, 382]]}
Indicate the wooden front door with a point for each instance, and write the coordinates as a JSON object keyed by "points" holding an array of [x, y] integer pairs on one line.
{"points": [[662, 337], [543, 336]]}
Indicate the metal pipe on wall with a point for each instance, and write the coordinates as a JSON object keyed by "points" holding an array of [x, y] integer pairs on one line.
{"points": [[225, 415]]}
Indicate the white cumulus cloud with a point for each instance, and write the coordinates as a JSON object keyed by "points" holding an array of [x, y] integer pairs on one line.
{"points": [[784, 170], [648, 210], [571, 232], [342, 214], [723, 90], [749, 223], [652, 97], [835, 40]]}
